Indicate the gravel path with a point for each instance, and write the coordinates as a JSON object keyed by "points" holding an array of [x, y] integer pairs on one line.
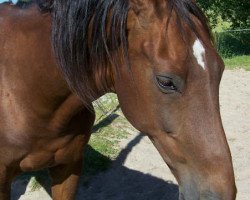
{"points": [[139, 172]]}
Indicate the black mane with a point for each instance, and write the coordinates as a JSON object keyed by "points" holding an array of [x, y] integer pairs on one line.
{"points": [[87, 33], [24, 4]]}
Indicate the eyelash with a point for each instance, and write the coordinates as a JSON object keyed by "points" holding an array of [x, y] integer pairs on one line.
{"points": [[166, 84]]}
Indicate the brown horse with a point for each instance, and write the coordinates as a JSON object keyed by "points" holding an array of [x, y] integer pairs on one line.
{"points": [[157, 55]]}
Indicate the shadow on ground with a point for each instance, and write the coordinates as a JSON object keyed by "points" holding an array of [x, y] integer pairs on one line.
{"points": [[122, 183], [117, 183]]}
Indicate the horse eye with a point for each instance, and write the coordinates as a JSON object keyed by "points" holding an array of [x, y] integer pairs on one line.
{"points": [[166, 84]]}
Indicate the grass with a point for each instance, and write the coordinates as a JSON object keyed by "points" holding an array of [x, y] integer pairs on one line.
{"points": [[234, 62], [107, 133], [34, 184], [238, 62], [108, 129]]}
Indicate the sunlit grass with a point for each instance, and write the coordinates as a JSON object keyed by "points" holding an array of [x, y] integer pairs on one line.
{"points": [[107, 133], [238, 62]]}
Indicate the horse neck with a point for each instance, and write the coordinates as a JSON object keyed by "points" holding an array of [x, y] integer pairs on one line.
{"points": [[28, 57]]}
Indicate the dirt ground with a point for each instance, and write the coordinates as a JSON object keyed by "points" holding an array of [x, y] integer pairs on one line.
{"points": [[139, 172]]}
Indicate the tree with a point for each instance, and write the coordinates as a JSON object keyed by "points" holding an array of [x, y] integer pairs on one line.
{"points": [[234, 11]]}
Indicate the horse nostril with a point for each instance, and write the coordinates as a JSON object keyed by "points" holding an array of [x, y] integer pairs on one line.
{"points": [[181, 196]]}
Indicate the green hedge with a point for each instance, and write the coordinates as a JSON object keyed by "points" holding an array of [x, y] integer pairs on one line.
{"points": [[233, 43]]}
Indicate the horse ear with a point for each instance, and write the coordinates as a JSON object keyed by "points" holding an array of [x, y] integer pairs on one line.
{"points": [[45, 5], [139, 5], [144, 10]]}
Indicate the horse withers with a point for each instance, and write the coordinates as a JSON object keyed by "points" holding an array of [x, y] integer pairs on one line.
{"points": [[157, 55]]}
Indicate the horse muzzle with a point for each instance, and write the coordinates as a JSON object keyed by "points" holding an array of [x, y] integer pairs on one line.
{"points": [[228, 194]]}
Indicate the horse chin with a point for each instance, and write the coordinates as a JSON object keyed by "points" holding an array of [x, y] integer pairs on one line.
{"points": [[193, 193], [204, 196]]}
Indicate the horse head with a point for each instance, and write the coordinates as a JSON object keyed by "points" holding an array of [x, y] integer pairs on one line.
{"points": [[159, 57]]}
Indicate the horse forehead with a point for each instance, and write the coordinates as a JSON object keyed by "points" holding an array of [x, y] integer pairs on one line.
{"points": [[171, 48], [179, 49]]}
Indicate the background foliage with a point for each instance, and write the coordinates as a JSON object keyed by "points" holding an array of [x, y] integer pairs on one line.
{"points": [[233, 43], [234, 11], [230, 21]]}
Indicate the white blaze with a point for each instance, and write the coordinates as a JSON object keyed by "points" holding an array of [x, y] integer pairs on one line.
{"points": [[199, 53]]}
